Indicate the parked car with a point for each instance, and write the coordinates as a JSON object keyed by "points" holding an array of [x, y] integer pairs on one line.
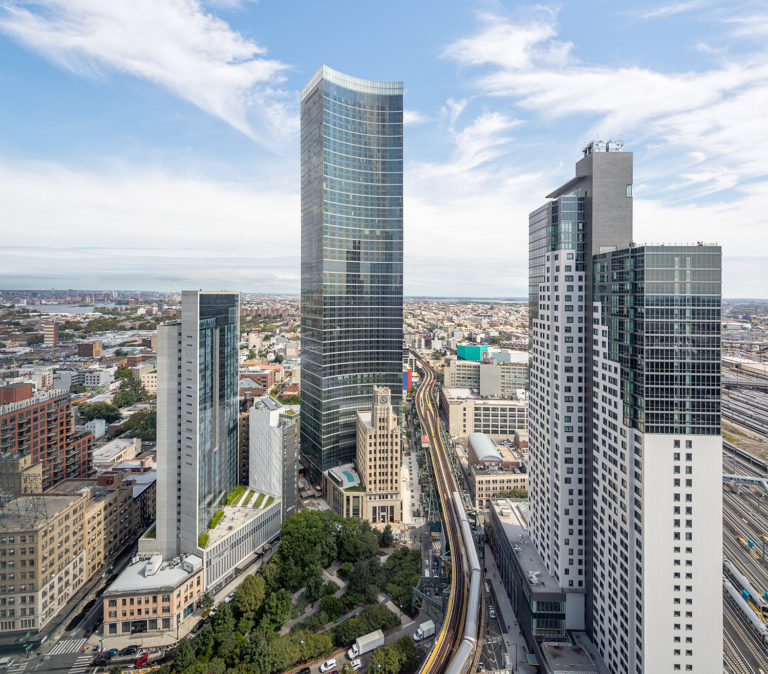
{"points": [[197, 628], [5, 663], [305, 670], [356, 664], [102, 661], [130, 650], [229, 597], [111, 653], [328, 665], [491, 611]]}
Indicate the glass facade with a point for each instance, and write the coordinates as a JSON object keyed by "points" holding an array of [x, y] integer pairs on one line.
{"points": [[351, 257], [662, 308], [559, 225], [217, 400]]}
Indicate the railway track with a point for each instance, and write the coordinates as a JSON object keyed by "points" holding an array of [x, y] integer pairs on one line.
{"points": [[742, 650], [735, 660], [453, 649]]}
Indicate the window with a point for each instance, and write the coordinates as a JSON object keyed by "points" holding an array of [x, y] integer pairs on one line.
{"points": [[629, 190]]}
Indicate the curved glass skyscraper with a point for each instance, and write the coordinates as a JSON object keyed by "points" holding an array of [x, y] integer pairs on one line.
{"points": [[351, 257]]}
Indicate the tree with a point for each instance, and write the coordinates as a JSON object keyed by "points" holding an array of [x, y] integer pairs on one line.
{"points": [[142, 424], [270, 572], [244, 625], [120, 353], [89, 411], [371, 617], [366, 578], [385, 660], [185, 655], [206, 602], [394, 658], [314, 582], [331, 606], [249, 596], [386, 537], [223, 621], [226, 648], [131, 391], [251, 354], [408, 651], [206, 641], [255, 651], [124, 373], [306, 539], [281, 654], [35, 339], [355, 540], [277, 610], [116, 669], [512, 493], [124, 399]]}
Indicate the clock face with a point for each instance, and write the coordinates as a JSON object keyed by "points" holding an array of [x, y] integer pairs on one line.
{"points": [[383, 400]]}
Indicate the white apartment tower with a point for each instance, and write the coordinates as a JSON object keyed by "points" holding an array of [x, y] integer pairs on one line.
{"points": [[624, 424], [197, 417], [378, 458], [273, 450]]}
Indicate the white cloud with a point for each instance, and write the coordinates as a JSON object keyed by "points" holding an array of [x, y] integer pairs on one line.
{"points": [[663, 11], [717, 111], [413, 117], [173, 43], [142, 228], [510, 45], [698, 135]]}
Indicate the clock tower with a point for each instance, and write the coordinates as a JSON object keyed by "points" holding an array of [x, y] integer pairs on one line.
{"points": [[379, 460]]}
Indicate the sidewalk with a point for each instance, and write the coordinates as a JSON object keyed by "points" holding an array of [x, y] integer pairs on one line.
{"points": [[513, 638]]}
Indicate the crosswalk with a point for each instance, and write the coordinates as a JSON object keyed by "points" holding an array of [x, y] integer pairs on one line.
{"points": [[67, 646], [82, 664], [17, 667]]}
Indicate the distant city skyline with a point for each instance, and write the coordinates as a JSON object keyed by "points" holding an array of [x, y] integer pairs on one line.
{"points": [[154, 144]]}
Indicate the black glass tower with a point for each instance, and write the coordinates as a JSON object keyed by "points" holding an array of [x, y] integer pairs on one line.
{"points": [[351, 257]]}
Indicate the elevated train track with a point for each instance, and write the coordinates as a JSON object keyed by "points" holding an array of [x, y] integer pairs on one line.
{"points": [[456, 643]]}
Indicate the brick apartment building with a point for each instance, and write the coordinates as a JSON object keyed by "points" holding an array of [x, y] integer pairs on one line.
{"points": [[42, 426]]}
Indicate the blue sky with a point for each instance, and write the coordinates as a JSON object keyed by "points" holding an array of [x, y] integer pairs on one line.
{"points": [[153, 144]]}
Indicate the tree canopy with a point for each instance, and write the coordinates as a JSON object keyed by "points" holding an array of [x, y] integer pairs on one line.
{"points": [[106, 411]]}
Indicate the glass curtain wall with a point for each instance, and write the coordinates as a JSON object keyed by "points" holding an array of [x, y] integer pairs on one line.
{"points": [[351, 258], [218, 400]]}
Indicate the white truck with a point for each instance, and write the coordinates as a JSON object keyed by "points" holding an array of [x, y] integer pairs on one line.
{"points": [[366, 643], [425, 630]]}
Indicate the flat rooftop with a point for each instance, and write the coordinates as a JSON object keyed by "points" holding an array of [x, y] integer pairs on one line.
{"points": [[107, 453], [563, 658], [459, 393], [520, 397], [515, 527], [135, 579], [19, 512], [235, 517], [345, 475]]}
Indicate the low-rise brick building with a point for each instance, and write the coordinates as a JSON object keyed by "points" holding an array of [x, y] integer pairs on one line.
{"points": [[153, 596]]}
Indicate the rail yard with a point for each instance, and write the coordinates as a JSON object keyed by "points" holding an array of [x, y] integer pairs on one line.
{"points": [[745, 544]]}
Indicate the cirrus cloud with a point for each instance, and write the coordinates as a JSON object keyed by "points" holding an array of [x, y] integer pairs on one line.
{"points": [[175, 44]]}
